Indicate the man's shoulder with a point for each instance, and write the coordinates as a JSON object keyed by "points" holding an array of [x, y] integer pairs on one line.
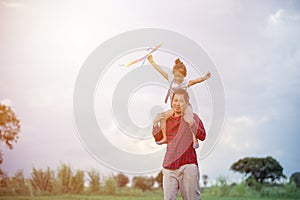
{"points": [[196, 117]]}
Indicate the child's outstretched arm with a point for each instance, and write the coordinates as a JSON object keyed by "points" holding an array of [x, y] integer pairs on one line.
{"points": [[199, 80], [158, 68]]}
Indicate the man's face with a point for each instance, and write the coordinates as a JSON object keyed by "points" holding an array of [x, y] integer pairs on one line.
{"points": [[179, 103]]}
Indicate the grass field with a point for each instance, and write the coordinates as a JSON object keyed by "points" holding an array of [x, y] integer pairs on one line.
{"points": [[223, 192], [146, 196]]}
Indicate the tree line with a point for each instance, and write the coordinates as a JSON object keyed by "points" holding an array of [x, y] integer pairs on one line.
{"points": [[67, 181]]}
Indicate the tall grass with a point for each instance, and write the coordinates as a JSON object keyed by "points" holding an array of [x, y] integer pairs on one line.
{"points": [[256, 190]]}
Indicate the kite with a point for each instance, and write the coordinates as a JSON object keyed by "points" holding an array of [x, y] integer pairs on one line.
{"points": [[144, 57]]}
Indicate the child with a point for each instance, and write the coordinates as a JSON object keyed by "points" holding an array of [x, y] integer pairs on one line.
{"points": [[177, 80]]}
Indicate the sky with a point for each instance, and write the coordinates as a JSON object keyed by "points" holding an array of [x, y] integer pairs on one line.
{"points": [[253, 45]]}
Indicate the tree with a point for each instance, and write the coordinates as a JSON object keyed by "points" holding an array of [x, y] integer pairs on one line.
{"points": [[295, 177], [205, 177], [77, 182], [9, 128], [122, 180], [94, 182], [4, 182], [67, 182], [15, 185], [42, 181], [18, 184], [260, 169], [110, 186], [142, 182], [64, 178], [159, 178]]}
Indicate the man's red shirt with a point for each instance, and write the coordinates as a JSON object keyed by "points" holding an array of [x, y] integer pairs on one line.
{"points": [[180, 149]]}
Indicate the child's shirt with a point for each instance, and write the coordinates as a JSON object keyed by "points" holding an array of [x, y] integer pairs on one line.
{"points": [[183, 85]]}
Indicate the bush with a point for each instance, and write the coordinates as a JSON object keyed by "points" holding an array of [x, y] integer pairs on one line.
{"points": [[77, 183], [110, 186], [295, 177], [224, 188], [142, 182], [292, 190], [253, 184], [122, 180], [159, 178], [215, 190], [42, 181], [64, 178], [15, 185], [220, 188], [94, 182], [290, 187], [18, 184], [240, 189]]}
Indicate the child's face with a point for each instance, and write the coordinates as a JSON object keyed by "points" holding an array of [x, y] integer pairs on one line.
{"points": [[178, 77]]}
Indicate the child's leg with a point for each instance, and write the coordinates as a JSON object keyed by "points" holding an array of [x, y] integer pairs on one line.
{"points": [[188, 116], [195, 141], [168, 114]]}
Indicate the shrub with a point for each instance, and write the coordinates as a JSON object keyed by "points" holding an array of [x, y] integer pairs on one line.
{"points": [[142, 182], [159, 178], [295, 177], [18, 184], [94, 182], [64, 178], [215, 190], [110, 186], [42, 181], [240, 189], [122, 180], [292, 190], [77, 183], [224, 188], [252, 183]]}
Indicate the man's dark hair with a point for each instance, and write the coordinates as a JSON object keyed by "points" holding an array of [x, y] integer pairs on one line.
{"points": [[183, 92]]}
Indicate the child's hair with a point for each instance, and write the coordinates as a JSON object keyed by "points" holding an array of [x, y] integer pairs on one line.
{"points": [[179, 66]]}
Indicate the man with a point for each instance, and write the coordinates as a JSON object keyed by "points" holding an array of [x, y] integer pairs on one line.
{"points": [[180, 166]]}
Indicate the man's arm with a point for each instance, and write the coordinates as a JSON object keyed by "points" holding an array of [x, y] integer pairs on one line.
{"points": [[157, 133], [198, 128]]}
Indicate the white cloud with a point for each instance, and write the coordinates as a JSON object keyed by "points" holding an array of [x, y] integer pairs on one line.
{"points": [[281, 16], [240, 132], [248, 121], [275, 18], [283, 26]]}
